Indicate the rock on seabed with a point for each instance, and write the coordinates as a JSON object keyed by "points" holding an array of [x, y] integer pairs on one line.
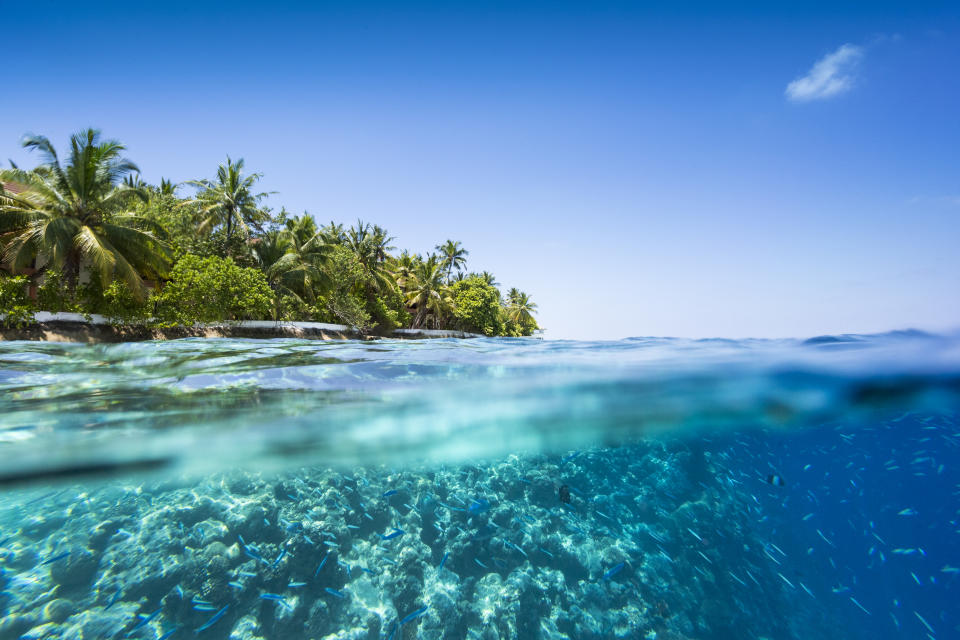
{"points": [[310, 555]]}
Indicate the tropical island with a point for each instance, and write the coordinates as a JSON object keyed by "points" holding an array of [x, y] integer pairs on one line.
{"points": [[87, 235]]}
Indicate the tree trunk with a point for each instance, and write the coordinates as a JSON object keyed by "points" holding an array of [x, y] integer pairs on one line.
{"points": [[226, 252]]}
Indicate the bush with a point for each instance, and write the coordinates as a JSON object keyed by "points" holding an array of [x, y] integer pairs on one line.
{"points": [[15, 305], [345, 302], [476, 307], [213, 289], [117, 302], [53, 295]]}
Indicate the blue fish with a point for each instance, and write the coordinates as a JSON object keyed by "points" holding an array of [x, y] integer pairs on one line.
{"points": [[334, 592], [393, 534], [480, 563], [391, 492], [613, 571], [479, 506], [276, 597], [144, 621], [169, 633], [443, 561], [322, 562], [413, 616], [113, 599], [213, 620], [279, 557]]}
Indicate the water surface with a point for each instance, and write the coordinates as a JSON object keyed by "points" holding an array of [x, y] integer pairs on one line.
{"points": [[648, 488]]}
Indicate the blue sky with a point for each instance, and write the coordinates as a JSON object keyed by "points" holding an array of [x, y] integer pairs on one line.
{"points": [[766, 169]]}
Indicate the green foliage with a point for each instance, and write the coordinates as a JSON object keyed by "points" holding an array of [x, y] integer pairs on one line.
{"points": [[79, 212], [213, 290], [345, 301], [520, 312], [120, 305], [476, 307], [15, 304], [230, 203], [93, 213], [53, 294]]}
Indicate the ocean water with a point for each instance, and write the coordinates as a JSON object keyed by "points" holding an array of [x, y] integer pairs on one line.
{"points": [[505, 488]]}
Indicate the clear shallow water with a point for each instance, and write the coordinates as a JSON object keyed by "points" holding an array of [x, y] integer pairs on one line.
{"points": [[179, 478]]}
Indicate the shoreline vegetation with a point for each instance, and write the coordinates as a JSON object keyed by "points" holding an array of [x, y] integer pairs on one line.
{"points": [[87, 235], [76, 327]]}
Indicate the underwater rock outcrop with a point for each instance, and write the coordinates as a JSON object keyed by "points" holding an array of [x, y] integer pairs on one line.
{"points": [[652, 541]]}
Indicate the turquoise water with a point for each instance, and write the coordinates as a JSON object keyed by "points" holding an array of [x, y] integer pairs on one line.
{"points": [[502, 488]]}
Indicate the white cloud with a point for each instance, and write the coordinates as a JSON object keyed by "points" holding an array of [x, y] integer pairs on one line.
{"points": [[832, 75]]}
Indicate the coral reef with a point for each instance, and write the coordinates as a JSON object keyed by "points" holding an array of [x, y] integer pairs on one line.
{"points": [[654, 541]]}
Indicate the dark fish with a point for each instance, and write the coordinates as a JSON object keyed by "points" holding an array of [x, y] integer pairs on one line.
{"points": [[55, 558], [335, 592], [564, 494], [776, 480]]}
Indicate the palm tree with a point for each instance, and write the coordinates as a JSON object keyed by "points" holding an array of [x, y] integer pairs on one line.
{"points": [[403, 268], [230, 200], [300, 267], [167, 188], [371, 246], [489, 278], [333, 233], [520, 309], [78, 213], [454, 257], [428, 293]]}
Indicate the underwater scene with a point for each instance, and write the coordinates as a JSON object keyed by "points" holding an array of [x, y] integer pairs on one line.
{"points": [[650, 488]]}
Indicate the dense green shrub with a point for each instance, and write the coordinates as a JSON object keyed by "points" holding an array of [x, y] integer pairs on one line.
{"points": [[213, 289], [15, 305], [54, 296], [117, 302], [476, 307], [345, 301]]}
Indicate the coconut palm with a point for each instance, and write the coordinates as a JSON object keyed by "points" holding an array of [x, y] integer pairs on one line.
{"points": [[403, 268], [520, 309], [428, 293], [453, 256], [489, 278], [333, 233], [371, 245], [167, 187], [230, 200], [78, 213], [300, 267]]}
